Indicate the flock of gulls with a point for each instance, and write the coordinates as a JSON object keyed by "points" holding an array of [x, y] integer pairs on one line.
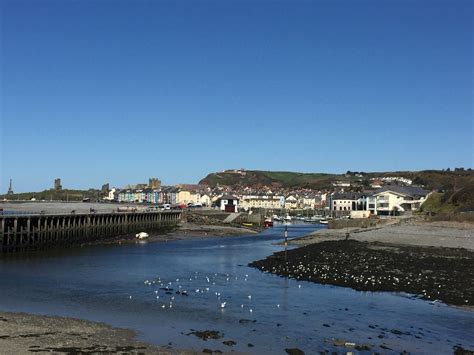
{"points": [[211, 286]]}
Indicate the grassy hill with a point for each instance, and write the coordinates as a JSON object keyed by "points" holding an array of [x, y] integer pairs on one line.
{"points": [[460, 200], [256, 178], [62, 195], [430, 179]]}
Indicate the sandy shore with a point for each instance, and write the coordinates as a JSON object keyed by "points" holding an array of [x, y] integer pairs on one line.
{"points": [[22, 333], [433, 234]]}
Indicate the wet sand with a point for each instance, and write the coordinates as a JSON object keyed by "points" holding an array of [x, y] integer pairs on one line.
{"points": [[22, 333]]}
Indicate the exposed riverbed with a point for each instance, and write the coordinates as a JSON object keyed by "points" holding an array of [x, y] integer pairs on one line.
{"points": [[171, 292]]}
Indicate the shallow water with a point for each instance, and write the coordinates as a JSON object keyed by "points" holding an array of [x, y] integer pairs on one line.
{"points": [[108, 284]]}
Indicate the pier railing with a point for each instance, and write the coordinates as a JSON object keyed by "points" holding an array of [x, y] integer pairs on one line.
{"points": [[44, 231]]}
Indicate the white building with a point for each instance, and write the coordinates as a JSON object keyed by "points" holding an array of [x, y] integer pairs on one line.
{"points": [[229, 203], [291, 202], [395, 199], [112, 195], [345, 201]]}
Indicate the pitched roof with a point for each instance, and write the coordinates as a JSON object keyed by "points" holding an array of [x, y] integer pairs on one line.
{"points": [[413, 191], [229, 197]]}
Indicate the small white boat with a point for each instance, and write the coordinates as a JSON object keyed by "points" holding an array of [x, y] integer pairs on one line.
{"points": [[324, 221], [141, 235]]}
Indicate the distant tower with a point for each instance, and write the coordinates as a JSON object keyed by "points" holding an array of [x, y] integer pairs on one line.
{"points": [[10, 189], [105, 189], [57, 184], [154, 183]]}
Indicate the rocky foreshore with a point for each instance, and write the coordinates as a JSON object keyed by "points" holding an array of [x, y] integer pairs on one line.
{"points": [[432, 273]]}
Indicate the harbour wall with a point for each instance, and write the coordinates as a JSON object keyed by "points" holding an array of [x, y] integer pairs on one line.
{"points": [[20, 233]]}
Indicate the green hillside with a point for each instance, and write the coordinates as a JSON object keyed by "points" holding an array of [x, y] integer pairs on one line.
{"points": [[256, 178], [430, 179], [61, 195], [451, 201]]}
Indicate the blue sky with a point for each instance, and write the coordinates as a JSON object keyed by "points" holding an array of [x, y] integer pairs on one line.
{"points": [[117, 91]]}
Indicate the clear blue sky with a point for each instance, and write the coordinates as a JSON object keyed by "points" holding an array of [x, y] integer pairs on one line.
{"points": [[117, 91]]}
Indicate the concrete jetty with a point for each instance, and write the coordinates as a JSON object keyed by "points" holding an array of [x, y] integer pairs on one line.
{"points": [[25, 232]]}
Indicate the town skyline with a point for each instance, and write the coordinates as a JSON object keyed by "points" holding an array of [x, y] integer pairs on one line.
{"points": [[56, 181]]}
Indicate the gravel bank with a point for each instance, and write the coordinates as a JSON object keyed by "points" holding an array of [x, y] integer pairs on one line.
{"points": [[433, 260], [433, 234], [435, 274]]}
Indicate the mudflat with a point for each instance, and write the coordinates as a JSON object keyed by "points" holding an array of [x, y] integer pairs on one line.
{"points": [[22, 333]]}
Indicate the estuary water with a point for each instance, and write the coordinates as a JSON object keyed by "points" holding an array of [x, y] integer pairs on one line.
{"points": [[135, 286]]}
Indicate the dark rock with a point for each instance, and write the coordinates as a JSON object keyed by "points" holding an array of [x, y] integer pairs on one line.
{"points": [[229, 342], [458, 350], [246, 321], [207, 334], [294, 351]]}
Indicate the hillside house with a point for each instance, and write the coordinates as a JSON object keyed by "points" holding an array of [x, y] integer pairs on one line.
{"points": [[396, 199]]}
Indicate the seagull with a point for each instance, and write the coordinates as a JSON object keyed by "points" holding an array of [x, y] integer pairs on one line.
{"points": [[223, 304], [250, 297]]}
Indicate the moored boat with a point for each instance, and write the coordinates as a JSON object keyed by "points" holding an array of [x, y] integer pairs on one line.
{"points": [[268, 222]]}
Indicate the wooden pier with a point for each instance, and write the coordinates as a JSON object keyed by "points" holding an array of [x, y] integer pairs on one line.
{"points": [[21, 233]]}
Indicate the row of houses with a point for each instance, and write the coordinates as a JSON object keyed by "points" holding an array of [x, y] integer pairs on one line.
{"points": [[164, 195], [389, 200], [282, 202]]}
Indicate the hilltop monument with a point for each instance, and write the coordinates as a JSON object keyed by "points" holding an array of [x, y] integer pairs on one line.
{"points": [[10, 188]]}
